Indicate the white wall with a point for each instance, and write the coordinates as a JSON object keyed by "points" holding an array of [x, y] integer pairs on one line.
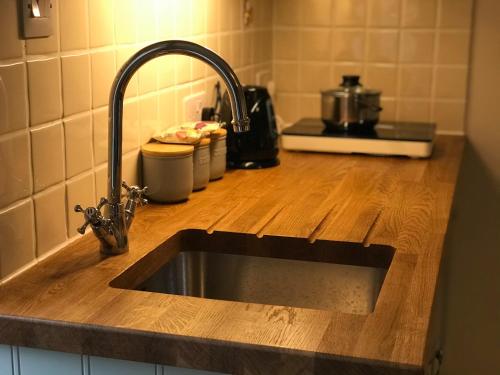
{"points": [[473, 242]]}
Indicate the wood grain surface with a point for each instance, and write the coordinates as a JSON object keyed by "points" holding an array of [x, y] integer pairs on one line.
{"points": [[66, 302]]}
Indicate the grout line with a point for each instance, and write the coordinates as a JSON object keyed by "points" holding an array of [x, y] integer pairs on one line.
{"points": [[321, 225], [260, 232], [370, 230], [212, 226]]}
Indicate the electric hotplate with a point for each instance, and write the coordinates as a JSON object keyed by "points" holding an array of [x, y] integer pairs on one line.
{"points": [[414, 139]]}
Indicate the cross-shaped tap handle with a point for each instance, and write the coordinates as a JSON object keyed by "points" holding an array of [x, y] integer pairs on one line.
{"points": [[135, 193], [92, 215]]}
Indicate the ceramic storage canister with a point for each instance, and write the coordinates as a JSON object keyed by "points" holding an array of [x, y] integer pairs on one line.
{"points": [[167, 171], [201, 164], [218, 154]]}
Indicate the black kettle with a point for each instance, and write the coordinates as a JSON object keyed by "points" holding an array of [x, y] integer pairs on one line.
{"points": [[257, 148]]}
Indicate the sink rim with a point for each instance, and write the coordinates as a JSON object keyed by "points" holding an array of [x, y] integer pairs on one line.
{"points": [[336, 252]]}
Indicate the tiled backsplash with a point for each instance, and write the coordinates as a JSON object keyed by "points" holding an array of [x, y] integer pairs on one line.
{"points": [[415, 51], [54, 93]]}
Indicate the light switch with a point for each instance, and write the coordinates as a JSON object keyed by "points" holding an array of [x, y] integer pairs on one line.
{"points": [[36, 15]]}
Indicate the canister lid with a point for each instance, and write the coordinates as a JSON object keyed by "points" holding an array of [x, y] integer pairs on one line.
{"points": [[203, 142], [166, 150], [221, 132]]}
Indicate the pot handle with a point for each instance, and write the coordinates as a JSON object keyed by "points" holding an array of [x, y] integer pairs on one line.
{"points": [[373, 107]]}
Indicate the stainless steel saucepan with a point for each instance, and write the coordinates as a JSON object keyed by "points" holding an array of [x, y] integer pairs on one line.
{"points": [[350, 106]]}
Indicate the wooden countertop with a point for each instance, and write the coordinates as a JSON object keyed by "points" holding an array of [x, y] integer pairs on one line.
{"points": [[65, 302]]}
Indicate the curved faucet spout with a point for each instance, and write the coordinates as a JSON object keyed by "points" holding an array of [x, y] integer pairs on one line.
{"points": [[113, 231], [179, 47]]}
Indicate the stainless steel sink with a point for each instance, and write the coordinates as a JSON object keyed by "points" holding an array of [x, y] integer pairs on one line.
{"points": [[272, 270]]}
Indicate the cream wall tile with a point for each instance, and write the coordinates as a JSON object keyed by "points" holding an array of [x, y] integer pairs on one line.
{"points": [[47, 155], [131, 127], [286, 44], [382, 46], [384, 13], [236, 15], [449, 116], [413, 110], [166, 107], [199, 17], [75, 83], [44, 82], [100, 126], [74, 24], [78, 144], [419, 13], [348, 45], [310, 106], [15, 182], [101, 21], [226, 48], [388, 112], [180, 94], [287, 106], [451, 82], [266, 40], [453, 47], [417, 46], [286, 12], [101, 182], [146, 20], [79, 190], [456, 13], [263, 11], [315, 45], [166, 71], [212, 14], [103, 70], [182, 69], [40, 46], [13, 97], [147, 77], [416, 81], [50, 218], [316, 12], [18, 246], [11, 46], [263, 53], [131, 168], [314, 77], [350, 12], [149, 118], [287, 77], [382, 77], [125, 21], [236, 41], [246, 49], [166, 26], [183, 26]]}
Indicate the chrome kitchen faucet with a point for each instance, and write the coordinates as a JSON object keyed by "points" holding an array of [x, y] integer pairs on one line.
{"points": [[112, 231]]}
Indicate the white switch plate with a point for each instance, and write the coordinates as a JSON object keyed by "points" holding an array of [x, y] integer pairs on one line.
{"points": [[36, 18], [193, 105]]}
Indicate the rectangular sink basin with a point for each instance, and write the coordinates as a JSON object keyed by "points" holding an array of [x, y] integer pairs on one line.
{"points": [[283, 271]]}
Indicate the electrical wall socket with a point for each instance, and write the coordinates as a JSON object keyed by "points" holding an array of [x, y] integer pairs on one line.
{"points": [[193, 105]]}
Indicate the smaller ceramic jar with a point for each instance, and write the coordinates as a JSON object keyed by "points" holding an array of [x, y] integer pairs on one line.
{"points": [[218, 154], [167, 171], [201, 164]]}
